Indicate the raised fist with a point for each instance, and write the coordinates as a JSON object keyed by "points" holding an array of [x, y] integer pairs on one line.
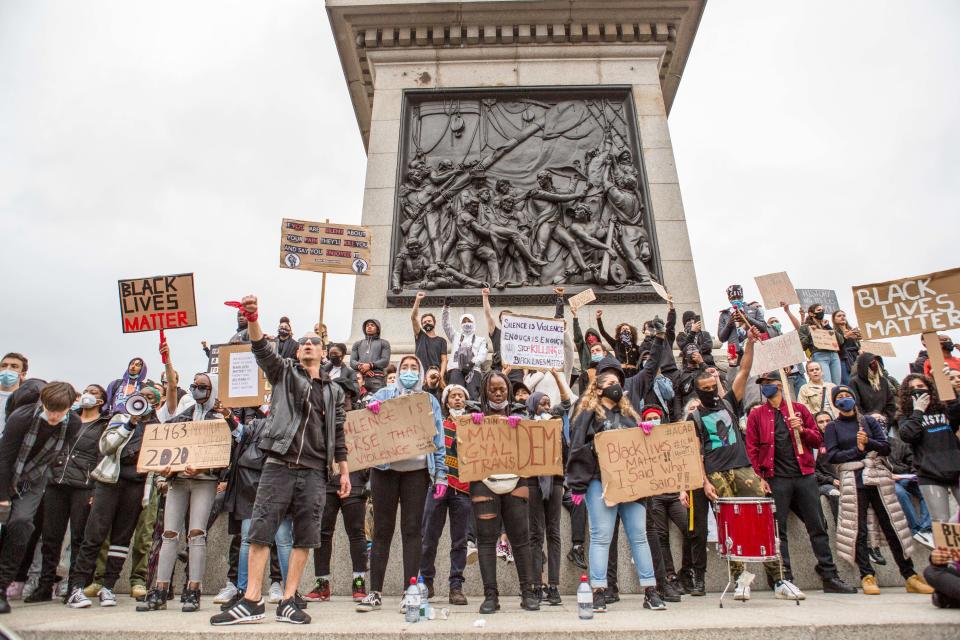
{"points": [[249, 304], [421, 295], [599, 313]]}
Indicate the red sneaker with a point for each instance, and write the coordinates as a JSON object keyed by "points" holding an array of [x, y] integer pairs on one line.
{"points": [[320, 593], [359, 589]]}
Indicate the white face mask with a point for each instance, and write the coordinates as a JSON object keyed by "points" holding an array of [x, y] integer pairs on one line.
{"points": [[457, 412], [88, 401], [498, 406], [467, 327]]}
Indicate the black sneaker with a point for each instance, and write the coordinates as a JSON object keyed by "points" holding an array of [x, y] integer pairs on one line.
{"points": [[491, 602], [237, 597], [651, 599], [243, 612], [43, 593], [668, 592], [876, 557], [4, 605], [699, 587], [156, 600], [685, 580], [836, 585], [599, 600], [553, 596], [300, 600], [371, 603], [191, 600], [529, 600], [288, 611], [577, 556], [612, 595]]}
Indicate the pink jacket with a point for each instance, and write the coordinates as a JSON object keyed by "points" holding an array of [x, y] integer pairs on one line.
{"points": [[760, 438]]}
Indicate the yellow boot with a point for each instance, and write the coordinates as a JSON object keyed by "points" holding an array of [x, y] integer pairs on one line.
{"points": [[916, 584], [869, 584]]}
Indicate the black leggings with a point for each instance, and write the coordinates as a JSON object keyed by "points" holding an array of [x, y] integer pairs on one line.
{"points": [[545, 522], [492, 512], [354, 511], [62, 503], [869, 496], [114, 514], [388, 490]]}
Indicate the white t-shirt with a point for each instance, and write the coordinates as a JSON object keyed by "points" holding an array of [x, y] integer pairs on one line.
{"points": [[186, 402]]}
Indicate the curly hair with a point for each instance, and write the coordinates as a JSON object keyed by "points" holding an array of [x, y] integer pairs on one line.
{"points": [[590, 401], [905, 395]]}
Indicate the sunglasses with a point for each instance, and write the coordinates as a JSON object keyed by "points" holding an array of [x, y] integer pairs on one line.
{"points": [[313, 341], [202, 387]]}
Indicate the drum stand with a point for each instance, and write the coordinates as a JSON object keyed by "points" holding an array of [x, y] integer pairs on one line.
{"points": [[730, 579]]}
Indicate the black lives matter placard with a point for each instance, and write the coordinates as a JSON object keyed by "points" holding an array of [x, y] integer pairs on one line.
{"points": [[908, 306], [160, 302], [324, 247]]}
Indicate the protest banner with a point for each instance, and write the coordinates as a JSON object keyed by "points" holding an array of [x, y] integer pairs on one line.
{"points": [[204, 444], [213, 360], [909, 306], [529, 342], [634, 465], [824, 339], [776, 290], [827, 298], [403, 429], [242, 383], [938, 367], [581, 300], [877, 348], [776, 353], [531, 449], [160, 302], [325, 247], [946, 535], [661, 291]]}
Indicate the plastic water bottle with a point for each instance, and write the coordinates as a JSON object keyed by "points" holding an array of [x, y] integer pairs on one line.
{"points": [[424, 599], [411, 611], [585, 599]]}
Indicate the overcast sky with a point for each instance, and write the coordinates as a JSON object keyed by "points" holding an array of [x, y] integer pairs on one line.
{"points": [[144, 138]]}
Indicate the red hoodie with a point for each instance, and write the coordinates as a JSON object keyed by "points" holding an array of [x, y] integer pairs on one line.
{"points": [[760, 438]]}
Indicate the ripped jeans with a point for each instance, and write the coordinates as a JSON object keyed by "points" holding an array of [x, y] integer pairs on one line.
{"points": [[198, 497], [492, 513]]}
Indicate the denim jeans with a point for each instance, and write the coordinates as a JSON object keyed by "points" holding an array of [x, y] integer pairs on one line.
{"points": [[457, 504], [908, 489], [829, 361], [602, 521], [284, 540]]}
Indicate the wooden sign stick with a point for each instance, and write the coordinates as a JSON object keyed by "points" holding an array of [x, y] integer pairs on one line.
{"points": [[788, 398]]}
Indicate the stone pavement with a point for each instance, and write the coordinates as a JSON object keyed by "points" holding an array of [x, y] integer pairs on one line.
{"points": [[893, 615]]}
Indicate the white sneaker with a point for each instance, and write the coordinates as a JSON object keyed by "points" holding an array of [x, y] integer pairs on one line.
{"points": [[78, 600], [107, 599], [924, 538], [742, 592], [226, 594], [275, 595], [472, 555], [786, 590]]}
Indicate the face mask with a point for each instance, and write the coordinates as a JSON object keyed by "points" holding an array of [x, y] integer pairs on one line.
{"points": [[596, 357], [200, 395], [283, 333], [708, 399], [133, 376], [43, 416], [498, 406], [408, 379], [88, 401], [654, 421], [467, 327], [947, 346], [874, 366], [614, 392], [428, 327], [336, 360], [818, 315], [625, 337], [769, 390], [775, 325], [737, 303], [75, 406], [846, 404], [457, 412], [8, 377], [916, 393]]}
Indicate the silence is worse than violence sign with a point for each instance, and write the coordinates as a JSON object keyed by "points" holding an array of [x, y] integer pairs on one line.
{"points": [[325, 247], [403, 429], [909, 306], [161, 302], [529, 342], [494, 447], [635, 465]]}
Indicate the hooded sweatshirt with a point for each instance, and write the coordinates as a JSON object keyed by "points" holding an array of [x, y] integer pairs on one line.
{"points": [[472, 343], [936, 449], [873, 393], [119, 390], [373, 350]]}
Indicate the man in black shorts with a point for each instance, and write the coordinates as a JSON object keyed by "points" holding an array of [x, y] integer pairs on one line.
{"points": [[304, 432]]}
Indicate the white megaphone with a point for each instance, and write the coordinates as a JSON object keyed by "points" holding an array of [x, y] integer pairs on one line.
{"points": [[137, 405]]}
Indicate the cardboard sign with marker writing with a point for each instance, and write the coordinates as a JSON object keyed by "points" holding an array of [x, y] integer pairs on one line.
{"points": [[204, 444], [909, 306], [494, 447], [325, 247], [581, 300], [242, 383], [827, 298], [161, 302], [947, 535], [403, 429], [634, 465], [824, 339], [877, 348], [530, 342], [776, 288], [776, 353]]}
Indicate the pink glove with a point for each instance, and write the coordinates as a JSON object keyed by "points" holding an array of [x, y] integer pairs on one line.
{"points": [[373, 407], [439, 491], [576, 498], [647, 427], [477, 418], [513, 421]]}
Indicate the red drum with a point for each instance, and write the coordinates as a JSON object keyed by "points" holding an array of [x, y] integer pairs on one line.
{"points": [[747, 529]]}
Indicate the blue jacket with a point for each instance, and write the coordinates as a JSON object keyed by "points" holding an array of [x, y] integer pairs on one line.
{"points": [[436, 465]]}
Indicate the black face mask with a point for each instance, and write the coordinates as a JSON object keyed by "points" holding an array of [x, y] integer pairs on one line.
{"points": [[283, 333], [947, 346], [818, 315], [709, 399], [916, 393], [428, 327], [614, 392], [336, 360]]}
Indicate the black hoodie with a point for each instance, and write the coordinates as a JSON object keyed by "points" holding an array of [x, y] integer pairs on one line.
{"points": [[373, 350], [936, 449], [872, 400]]}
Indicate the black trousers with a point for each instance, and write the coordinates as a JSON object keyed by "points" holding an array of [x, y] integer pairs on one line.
{"points": [[578, 519], [389, 490], [869, 496], [802, 496], [62, 504], [545, 523], [114, 513], [23, 571], [945, 580], [19, 530], [698, 541], [665, 509], [354, 510], [491, 512]]}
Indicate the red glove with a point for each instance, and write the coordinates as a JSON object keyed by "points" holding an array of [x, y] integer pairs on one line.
{"points": [[373, 407], [251, 317], [576, 498], [439, 491], [513, 421], [477, 418]]}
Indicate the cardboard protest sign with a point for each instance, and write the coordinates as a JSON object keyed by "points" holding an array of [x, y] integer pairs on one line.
{"points": [[877, 348], [403, 429], [909, 306], [325, 247], [529, 342], [661, 291], [242, 383], [827, 298], [824, 339], [938, 367], [493, 447], [213, 360], [634, 465], [776, 290], [161, 302], [947, 536], [581, 300], [202, 445], [776, 353]]}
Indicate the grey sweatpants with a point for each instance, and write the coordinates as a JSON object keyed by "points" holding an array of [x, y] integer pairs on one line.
{"points": [[184, 494], [937, 497]]}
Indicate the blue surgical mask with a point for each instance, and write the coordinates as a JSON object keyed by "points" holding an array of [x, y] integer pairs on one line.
{"points": [[75, 406], [8, 377], [408, 379], [43, 416], [846, 404], [596, 357], [769, 390]]}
